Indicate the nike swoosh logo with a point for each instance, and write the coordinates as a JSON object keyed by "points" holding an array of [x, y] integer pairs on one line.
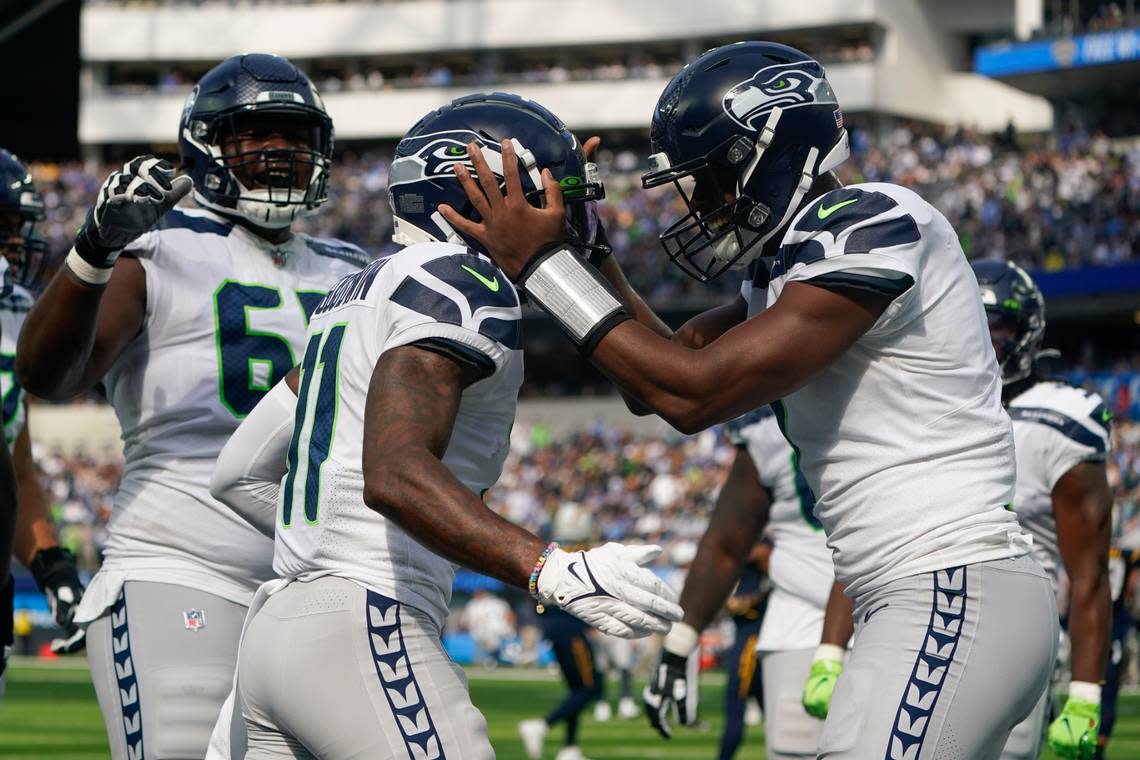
{"points": [[574, 570], [492, 284], [872, 612], [823, 212]]}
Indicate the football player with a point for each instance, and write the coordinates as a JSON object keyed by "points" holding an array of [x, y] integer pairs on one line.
{"points": [[765, 490], [1062, 499], [862, 325], [7, 527], [368, 466], [187, 317], [37, 544]]}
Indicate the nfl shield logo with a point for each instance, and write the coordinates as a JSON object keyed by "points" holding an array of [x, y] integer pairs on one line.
{"points": [[195, 619]]}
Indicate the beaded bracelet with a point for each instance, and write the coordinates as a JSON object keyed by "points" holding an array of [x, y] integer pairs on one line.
{"points": [[532, 586]]}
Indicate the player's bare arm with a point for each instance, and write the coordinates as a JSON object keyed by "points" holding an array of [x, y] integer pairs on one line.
{"points": [[412, 403], [76, 330], [1082, 505], [752, 364], [413, 399], [739, 516]]}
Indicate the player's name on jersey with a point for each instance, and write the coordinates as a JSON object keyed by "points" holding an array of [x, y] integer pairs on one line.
{"points": [[351, 288]]}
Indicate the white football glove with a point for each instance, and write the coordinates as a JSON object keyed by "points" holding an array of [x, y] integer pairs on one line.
{"points": [[130, 201], [607, 588]]}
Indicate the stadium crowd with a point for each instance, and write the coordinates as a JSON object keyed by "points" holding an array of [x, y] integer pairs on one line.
{"points": [[1067, 199]]}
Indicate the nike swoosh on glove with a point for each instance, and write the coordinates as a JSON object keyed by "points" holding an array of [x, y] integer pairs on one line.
{"points": [[58, 578], [1073, 733], [608, 588], [129, 203]]}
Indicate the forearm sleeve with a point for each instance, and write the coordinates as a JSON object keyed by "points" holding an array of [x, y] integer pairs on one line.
{"points": [[247, 477]]}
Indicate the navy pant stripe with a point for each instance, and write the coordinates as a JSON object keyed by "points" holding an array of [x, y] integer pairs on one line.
{"points": [[394, 670], [127, 680], [931, 667]]}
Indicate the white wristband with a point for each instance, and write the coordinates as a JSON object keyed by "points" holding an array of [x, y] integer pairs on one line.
{"points": [[830, 652], [682, 639], [87, 273], [1085, 691]]}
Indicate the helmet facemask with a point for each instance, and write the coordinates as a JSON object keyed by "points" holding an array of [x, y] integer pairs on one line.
{"points": [[25, 252], [268, 166], [1016, 338]]}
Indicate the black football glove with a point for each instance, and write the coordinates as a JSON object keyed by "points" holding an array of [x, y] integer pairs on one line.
{"points": [[669, 686], [7, 635], [130, 201], [57, 576]]}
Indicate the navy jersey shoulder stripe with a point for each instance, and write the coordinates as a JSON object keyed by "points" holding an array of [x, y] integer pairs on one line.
{"points": [[176, 219], [506, 331], [1066, 426], [459, 352], [413, 294], [336, 249], [898, 231], [839, 209], [480, 282]]}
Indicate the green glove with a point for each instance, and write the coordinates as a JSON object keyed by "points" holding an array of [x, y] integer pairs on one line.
{"points": [[819, 686], [1073, 733]]}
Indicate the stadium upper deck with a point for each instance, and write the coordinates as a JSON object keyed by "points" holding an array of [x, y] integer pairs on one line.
{"points": [[600, 65]]}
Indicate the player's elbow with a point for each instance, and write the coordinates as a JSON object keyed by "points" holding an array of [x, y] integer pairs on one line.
{"points": [[385, 485]]}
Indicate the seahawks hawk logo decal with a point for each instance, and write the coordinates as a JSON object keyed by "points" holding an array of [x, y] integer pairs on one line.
{"points": [[788, 85]]}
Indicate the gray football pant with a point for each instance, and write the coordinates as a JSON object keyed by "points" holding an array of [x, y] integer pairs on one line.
{"points": [[1025, 740], [789, 731], [944, 665], [162, 661], [332, 670]]}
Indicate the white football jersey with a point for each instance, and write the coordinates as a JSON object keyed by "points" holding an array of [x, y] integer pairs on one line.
{"points": [[1055, 427], [903, 439], [437, 295], [226, 318], [800, 566], [13, 311]]}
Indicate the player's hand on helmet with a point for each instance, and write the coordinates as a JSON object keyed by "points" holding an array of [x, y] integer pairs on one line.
{"points": [[511, 229], [1073, 733], [7, 629], [57, 576], [669, 686], [608, 588], [820, 684], [130, 201]]}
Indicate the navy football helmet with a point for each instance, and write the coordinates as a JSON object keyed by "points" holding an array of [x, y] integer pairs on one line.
{"points": [[1016, 312], [21, 208], [742, 132], [264, 94], [422, 176]]}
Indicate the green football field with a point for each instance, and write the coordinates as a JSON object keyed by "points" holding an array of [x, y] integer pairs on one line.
{"points": [[50, 712]]}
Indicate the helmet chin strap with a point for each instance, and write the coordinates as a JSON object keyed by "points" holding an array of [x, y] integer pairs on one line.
{"points": [[807, 177]]}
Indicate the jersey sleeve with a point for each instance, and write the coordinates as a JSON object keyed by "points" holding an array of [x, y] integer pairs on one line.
{"points": [[853, 238], [1067, 438], [459, 305]]}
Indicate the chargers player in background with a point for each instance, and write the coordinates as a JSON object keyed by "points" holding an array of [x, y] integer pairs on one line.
{"points": [[863, 326], [765, 490], [369, 476], [1123, 573], [1062, 499], [36, 543], [187, 330], [617, 658], [745, 681]]}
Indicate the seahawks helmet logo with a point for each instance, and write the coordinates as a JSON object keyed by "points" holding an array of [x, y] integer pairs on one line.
{"points": [[440, 157], [787, 85]]}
